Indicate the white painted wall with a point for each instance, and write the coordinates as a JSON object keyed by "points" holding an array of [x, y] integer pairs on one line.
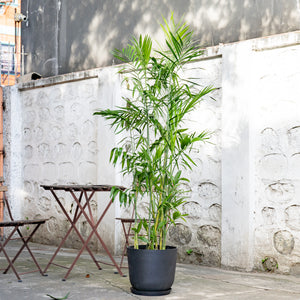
{"points": [[52, 137], [260, 178], [245, 195]]}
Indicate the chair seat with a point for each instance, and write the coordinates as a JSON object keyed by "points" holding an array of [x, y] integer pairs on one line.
{"points": [[22, 222], [126, 220]]}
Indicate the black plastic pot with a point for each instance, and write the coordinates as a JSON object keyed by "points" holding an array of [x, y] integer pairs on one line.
{"points": [[151, 272]]}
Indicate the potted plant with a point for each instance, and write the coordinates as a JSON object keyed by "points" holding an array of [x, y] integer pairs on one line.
{"points": [[156, 147]]}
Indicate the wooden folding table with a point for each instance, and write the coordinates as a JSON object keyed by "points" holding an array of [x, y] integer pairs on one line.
{"points": [[82, 195]]}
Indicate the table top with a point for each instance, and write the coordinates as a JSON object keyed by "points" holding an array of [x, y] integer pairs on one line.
{"points": [[77, 187]]}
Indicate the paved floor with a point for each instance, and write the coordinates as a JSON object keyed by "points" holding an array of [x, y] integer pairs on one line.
{"points": [[192, 282]]}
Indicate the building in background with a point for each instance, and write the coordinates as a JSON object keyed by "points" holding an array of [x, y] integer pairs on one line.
{"points": [[10, 41], [67, 36]]}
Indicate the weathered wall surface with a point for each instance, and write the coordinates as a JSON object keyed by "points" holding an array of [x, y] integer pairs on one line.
{"points": [[62, 142], [201, 233], [66, 36], [260, 120], [57, 140], [244, 195], [277, 159]]}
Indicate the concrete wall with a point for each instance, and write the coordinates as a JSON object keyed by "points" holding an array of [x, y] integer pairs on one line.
{"points": [[201, 232], [59, 141], [260, 117], [52, 137], [66, 36], [244, 200], [277, 146]]}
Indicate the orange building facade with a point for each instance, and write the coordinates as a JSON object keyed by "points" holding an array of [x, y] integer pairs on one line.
{"points": [[10, 41]]}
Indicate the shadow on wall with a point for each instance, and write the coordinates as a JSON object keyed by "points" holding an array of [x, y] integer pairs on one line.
{"points": [[66, 36]]}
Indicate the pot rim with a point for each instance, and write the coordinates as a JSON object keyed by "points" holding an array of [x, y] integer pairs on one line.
{"points": [[143, 247]]}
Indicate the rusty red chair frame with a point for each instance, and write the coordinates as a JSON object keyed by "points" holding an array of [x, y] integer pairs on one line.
{"points": [[127, 233], [127, 222], [16, 224]]}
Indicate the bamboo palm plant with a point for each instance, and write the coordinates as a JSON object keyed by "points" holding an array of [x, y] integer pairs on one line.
{"points": [[157, 146]]}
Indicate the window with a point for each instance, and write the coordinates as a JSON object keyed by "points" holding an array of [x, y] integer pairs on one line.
{"points": [[7, 58]]}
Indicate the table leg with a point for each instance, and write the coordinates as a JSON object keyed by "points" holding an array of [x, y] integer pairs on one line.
{"points": [[73, 223], [94, 231]]}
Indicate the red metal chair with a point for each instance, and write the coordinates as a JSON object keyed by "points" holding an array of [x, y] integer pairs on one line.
{"points": [[126, 225], [15, 225], [126, 222]]}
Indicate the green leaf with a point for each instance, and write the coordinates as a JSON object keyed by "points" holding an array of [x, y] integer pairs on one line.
{"points": [[55, 298], [189, 251], [143, 239], [123, 198], [176, 215]]}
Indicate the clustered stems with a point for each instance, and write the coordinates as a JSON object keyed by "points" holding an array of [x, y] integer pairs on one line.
{"points": [[153, 118]]}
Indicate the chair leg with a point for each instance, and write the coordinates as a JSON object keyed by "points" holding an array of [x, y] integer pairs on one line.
{"points": [[10, 263], [25, 244], [123, 254], [127, 234]]}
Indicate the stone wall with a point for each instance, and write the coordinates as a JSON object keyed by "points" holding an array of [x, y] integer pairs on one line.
{"points": [[244, 195]]}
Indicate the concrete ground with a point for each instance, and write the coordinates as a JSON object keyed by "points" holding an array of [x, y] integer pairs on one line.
{"points": [[87, 283]]}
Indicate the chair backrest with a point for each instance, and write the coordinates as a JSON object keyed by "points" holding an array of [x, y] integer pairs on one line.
{"points": [[3, 189]]}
